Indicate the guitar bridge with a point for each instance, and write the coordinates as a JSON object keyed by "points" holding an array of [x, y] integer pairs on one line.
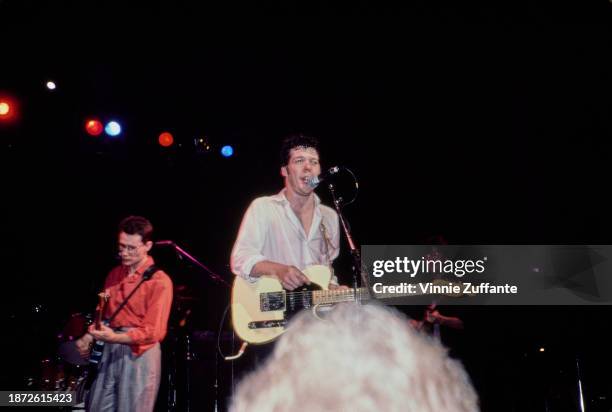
{"points": [[262, 324]]}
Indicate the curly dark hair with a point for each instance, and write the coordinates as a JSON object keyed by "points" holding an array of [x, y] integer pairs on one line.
{"points": [[296, 140], [137, 225]]}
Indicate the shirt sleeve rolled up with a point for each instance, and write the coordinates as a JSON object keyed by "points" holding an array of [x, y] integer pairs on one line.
{"points": [[247, 251]]}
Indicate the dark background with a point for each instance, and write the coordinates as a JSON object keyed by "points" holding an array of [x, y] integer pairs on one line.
{"points": [[484, 124]]}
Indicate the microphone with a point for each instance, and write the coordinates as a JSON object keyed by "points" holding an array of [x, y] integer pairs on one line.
{"points": [[164, 243], [314, 181]]}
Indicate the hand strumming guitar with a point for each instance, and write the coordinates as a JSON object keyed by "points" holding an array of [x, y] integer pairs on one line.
{"points": [[291, 277], [83, 344]]}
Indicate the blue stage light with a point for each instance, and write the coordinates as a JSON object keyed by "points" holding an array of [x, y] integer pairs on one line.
{"points": [[227, 151], [113, 128]]}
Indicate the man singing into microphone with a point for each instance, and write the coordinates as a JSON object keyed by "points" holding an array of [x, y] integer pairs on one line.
{"points": [[130, 369], [280, 235]]}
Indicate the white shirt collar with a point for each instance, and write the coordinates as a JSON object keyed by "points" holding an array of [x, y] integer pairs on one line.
{"points": [[281, 197]]}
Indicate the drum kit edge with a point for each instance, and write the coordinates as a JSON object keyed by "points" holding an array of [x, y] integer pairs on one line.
{"points": [[67, 370]]}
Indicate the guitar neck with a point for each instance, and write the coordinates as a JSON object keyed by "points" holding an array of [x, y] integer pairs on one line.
{"points": [[329, 297], [102, 299]]}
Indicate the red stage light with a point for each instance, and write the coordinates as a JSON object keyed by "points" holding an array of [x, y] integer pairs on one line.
{"points": [[166, 139], [8, 109], [5, 108], [93, 127]]}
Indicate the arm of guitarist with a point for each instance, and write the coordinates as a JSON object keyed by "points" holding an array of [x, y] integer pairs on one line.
{"points": [[247, 258], [289, 276], [155, 322], [85, 342], [106, 334]]}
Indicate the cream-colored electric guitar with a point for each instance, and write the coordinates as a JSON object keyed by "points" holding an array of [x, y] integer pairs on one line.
{"points": [[260, 310]]}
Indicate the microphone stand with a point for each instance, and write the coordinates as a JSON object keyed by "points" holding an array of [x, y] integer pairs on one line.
{"points": [[188, 355], [182, 253], [355, 253]]}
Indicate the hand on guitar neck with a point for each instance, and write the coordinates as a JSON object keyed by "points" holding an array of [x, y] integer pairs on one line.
{"points": [[100, 332], [85, 342]]}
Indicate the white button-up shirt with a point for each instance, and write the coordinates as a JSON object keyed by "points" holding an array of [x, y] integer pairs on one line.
{"points": [[270, 230]]}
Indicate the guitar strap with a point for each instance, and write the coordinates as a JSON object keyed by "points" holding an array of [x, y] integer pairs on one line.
{"points": [[145, 276], [328, 245]]}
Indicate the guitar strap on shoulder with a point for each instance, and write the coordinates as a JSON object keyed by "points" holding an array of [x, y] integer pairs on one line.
{"points": [[145, 276], [150, 272]]}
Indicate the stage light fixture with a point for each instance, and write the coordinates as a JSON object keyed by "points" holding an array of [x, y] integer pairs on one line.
{"points": [[202, 145], [113, 128], [8, 109], [166, 139], [227, 151], [5, 108], [93, 127]]}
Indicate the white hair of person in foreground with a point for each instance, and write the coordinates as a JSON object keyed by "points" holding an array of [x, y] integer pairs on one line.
{"points": [[359, 358]]}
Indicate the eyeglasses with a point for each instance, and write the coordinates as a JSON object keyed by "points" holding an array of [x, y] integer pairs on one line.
{"points": [[128, 248]]}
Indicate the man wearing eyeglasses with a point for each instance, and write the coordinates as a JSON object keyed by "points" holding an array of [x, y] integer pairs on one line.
{"points": [[129, 372]]}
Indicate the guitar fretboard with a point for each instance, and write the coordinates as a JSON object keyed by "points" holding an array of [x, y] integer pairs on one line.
{"points": [[328, 297]]}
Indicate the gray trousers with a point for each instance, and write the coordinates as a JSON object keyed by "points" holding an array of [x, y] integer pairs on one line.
{"points": [[125, 382]]}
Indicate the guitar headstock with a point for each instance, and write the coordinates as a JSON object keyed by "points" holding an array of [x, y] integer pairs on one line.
{"points": [[102, 300]]}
